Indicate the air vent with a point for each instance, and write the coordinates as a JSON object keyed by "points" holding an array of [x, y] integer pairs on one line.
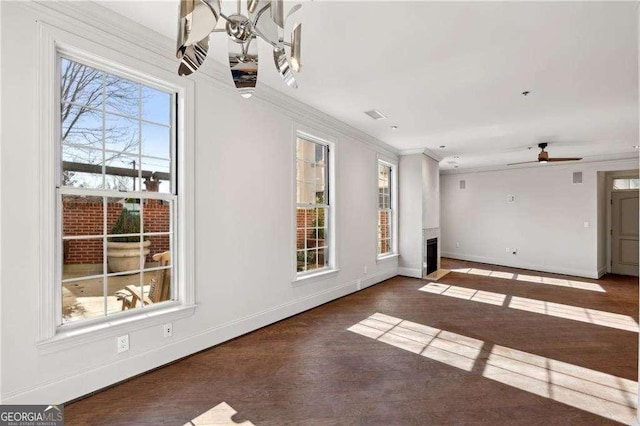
{"points": [[463, 184], [375, 114], [577, 177]]}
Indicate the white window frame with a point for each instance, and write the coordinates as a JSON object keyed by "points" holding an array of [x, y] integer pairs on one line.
{"points": [[154, 71], [393, 188], [319, 137]]}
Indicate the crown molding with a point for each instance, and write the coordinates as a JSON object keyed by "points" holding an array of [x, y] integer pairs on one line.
{"points": [[149, 44], [586, 160], [425, 151]]}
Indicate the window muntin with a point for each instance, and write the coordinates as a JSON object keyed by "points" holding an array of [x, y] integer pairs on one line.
{"points": [[117, 150], [626, 183], [312, 206], [385, 209]]}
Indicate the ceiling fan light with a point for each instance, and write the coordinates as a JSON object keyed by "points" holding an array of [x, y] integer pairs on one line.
{"points": [[296, 38]]}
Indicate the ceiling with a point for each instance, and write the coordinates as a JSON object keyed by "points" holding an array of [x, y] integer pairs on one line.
{"points": [[452, 74]]}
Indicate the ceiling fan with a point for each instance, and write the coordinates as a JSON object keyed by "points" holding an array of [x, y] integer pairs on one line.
{"points": [[543, 157]]}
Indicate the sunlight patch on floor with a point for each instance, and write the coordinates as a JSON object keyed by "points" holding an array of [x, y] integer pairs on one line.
{"points": [[559, 310], [537, 279], [593, 391], [220, 415], [449, 348], [589, 390]]}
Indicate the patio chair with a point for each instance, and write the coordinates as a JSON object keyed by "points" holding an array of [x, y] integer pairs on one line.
{"points": [[156, 291]]}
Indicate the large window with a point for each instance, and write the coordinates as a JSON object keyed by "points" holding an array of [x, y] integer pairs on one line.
{"points": [[312, 206], [116, 193], [385, 209]]}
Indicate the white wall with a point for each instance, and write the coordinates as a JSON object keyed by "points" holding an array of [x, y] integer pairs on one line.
{"points": [[602, 222], [410, 217], [544, 224], [430, 193], [243, 216], [419, 187]]}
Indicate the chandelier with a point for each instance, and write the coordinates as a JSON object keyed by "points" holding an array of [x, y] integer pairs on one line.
{"points": [[264, 19]]}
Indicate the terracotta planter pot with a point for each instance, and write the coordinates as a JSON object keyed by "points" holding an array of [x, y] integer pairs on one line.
{"points": [[122, 257]]}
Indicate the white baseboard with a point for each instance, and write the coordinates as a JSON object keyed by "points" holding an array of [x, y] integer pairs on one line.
{"points": [[378, 277], [523, 265], [602, 271], [410, 272], [87, 381]]}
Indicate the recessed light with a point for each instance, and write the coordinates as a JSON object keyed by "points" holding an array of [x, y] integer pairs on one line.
{"points": [[394, 127], [442, 147], [636, 146], [375, 114]]}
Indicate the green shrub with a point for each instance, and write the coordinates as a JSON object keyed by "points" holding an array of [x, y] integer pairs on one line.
{"points": [[127, 223]]}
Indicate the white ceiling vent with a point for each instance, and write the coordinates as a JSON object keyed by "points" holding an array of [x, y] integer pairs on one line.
{"points": [[375, 114]]}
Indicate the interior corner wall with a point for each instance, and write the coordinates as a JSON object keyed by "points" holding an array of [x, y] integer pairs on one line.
{"points": [[244, 214], [545, 224]]}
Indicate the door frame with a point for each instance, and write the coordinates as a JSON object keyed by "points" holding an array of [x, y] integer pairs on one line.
{"points": [[610, 176]]}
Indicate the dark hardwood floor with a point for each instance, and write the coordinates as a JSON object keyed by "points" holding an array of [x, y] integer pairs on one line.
{"points": [[311, 370]]}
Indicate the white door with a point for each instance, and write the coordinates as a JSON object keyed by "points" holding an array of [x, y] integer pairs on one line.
{"points": [[624, 232]]}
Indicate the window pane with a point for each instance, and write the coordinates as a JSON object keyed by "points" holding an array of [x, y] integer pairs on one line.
{"points": [[626, 183], [80, 84], [124, 289], [82, 215], [122, 172], [156, 170], [82, 300], [121, 134], [156, 106], [306, 150], [158, 282], [157, 220], [122, 96], [81, 126], [82, 258], [156, 141], [81, 167]]}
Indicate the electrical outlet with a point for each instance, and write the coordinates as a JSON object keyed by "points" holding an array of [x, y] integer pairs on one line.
{"points": [[457, 244], [508, 250], [123, 343], [167, 330], [365, 269]]}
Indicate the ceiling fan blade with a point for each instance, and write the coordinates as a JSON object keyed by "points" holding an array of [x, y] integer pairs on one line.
{"points": [[284, 67], [197, 19], [193, 56], [296, 37], [277, 12], [524, 162], [564, 159]]}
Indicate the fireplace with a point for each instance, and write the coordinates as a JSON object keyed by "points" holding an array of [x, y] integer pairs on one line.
{"points": [[431, 255]]}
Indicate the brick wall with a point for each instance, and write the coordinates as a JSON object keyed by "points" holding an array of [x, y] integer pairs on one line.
{"points": [[84, 216]]}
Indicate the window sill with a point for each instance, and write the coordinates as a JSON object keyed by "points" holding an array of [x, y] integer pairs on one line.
{"points": [[315, 277], [387, 257], [66, 339]]}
